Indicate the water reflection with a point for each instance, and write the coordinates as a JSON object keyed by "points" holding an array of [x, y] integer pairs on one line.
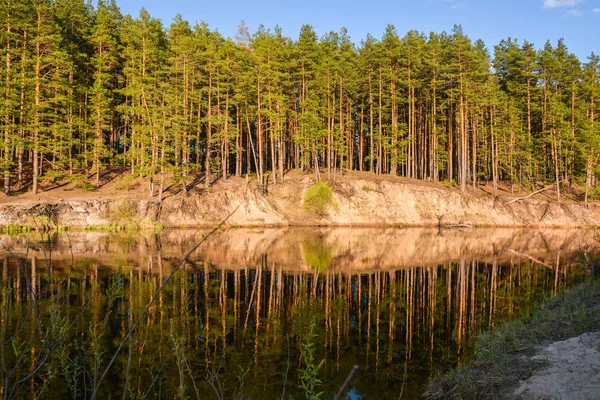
{"points": [[400, 304], [301, 249]]}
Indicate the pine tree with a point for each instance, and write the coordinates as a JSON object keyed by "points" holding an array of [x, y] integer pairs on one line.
{"points": [[310, 131], [49, 83], [183, 64], [15, 20], [146, 110], [74, 18], [106, 65], [590, 138]]}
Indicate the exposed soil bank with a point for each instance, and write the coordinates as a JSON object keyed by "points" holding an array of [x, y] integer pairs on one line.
{"points": [[357, 200]]}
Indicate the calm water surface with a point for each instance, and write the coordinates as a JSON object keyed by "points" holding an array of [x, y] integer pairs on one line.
{"points": [[234, 321]]}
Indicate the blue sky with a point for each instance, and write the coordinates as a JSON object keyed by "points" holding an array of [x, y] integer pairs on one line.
{"points": [[577, 21]]}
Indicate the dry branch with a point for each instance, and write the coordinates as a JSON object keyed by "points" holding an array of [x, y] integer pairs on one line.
{"points": [[534, 193]]}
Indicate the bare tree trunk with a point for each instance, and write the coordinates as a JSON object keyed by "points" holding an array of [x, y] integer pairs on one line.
{"points": [[450, 143], [474, 153], [36, 118], [7, 150], [371, 136], [555, 155], [208, 134], [462, 143], [394, 160], [588, 175], [494, 156]]}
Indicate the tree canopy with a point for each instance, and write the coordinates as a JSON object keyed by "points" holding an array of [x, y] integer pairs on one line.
{"points": [[85, 88]]}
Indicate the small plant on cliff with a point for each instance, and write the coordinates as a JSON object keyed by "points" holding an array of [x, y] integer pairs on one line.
{"points": [[595, 194], [318, 198], [124, 211]]}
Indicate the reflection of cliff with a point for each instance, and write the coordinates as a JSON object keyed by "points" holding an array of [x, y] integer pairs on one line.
{"points": [[301, 249]]}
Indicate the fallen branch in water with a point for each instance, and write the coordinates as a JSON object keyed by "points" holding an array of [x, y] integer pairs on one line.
{"points": [[530, 257]]}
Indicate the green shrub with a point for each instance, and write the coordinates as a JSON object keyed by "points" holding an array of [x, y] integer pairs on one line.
{"points": [[128, 182], [594, 193], [318, 199], [81, 182], [52, 176], [123, 212]]}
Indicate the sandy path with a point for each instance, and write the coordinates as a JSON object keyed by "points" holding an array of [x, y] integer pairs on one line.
{"points": [[571, 371]]}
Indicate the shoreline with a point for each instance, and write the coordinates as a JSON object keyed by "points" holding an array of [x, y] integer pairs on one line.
{"points": [[13, 228], [355, 201], [519, 359]]}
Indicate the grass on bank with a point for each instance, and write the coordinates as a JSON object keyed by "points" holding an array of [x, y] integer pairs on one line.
{"points": [[132, 227], [502, 356]]}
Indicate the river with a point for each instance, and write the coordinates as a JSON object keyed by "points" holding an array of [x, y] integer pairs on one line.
{"points": [[265, 313]]}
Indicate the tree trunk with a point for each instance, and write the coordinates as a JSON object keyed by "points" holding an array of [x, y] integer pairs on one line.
{"points": [[394, 160], [450, 124], [462, 138], [371, 135], [208, 134], [259, 131], [555, 155], [7, 150], [36, 118], [588, 175], [494, 155]]}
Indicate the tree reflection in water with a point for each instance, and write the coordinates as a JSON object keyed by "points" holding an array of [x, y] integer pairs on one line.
{"points": [[235, 331]]}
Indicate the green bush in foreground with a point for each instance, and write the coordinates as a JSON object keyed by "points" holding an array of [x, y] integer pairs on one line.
{"points": [[318, 199]]}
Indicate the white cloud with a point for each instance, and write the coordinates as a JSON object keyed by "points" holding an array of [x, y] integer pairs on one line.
{"points": [[560, 3], [596, 10], [573, 13]]}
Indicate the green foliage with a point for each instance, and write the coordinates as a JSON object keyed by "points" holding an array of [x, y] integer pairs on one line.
{"points": [[81, 182], [128, 182], [120, 90], [16, 229], [53, 176], [61, 228], [595, 193], [318, 199], [123, 211], [309, 378], [317, 253]]}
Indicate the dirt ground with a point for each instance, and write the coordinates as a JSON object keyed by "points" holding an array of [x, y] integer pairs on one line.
{"points": [[569, 369], [358, 199], [116, 182]]}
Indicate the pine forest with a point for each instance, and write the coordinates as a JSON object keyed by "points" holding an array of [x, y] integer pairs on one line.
{"points": [[85, 88]]}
